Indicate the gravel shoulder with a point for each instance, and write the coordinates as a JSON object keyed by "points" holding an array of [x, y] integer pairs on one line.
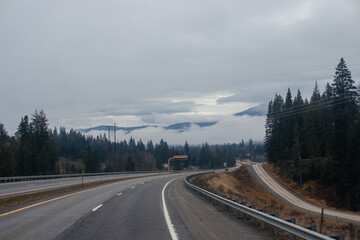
{"points": [[206, 221]]}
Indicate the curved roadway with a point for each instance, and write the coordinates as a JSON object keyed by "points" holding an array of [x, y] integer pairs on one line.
{"points": [[142, 208], [299, 203]]}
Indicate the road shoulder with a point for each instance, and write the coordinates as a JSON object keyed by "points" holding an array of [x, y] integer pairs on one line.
{"points": [[205, 221]]}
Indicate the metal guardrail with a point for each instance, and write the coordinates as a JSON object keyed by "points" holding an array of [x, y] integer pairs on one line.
{"points": [[271, 220], [44, 177]]}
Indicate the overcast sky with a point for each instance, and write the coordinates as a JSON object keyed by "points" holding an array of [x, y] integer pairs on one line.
{"points": [[136, 62]]}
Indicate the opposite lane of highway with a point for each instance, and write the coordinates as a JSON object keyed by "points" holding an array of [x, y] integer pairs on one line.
{"points": [[17, 188]]}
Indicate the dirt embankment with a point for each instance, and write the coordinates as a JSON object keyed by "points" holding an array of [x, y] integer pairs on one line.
{"points": [[312, 191], [239, 185]]}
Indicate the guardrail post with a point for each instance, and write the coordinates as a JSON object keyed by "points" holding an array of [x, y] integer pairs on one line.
{"points": [[263, 224], [244, 214], [230, 208], [312, 227], [292, 236], [236, 211], [340, 236], [252, 218], [276, 229], [224, 206]]}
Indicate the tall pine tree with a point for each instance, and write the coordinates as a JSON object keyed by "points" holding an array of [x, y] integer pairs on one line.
{"points": [[6, 157]]}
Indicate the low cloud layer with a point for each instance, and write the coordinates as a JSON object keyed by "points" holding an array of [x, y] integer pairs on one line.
{"points": [[229, 130]]}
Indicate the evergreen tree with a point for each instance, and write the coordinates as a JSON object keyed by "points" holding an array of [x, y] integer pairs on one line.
{"points": [[187, 151], [205, 156], [150, 147], [45, 151], [92, 164], [316, 94], [273, 129], [314, 122], [287, 127], [161, 153], [6, 157], [140, 146], [325, 137], [25, 148], [130, 165], [344, 112], [269, 126]]}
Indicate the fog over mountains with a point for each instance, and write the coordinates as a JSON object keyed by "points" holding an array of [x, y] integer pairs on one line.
{"points": [[248, 124], [183, 126]]}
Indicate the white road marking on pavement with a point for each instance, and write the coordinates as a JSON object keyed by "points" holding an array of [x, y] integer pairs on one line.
{"points": [[132, 187], [97, 208], [171, 228], [119, 194]]}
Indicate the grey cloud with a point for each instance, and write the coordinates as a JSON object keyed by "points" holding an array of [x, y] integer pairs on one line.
{"points": [[142, 107], [86, 58]]}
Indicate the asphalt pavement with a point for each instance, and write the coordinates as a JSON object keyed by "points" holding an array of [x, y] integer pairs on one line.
{"points": [[136, 213], [18, 188], [156, 207], [204, 220], [50, 218]]}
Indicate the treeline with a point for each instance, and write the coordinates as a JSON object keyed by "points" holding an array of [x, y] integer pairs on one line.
{"points": [[31, 151], [35, 150], [319, 139]]}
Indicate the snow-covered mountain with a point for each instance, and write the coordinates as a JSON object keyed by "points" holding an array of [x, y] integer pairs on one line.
{"points": [[259, 110]]}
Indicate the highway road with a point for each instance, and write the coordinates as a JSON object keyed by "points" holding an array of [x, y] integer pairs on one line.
{"points": [[297, 202], [17, 188], [157, 207]]}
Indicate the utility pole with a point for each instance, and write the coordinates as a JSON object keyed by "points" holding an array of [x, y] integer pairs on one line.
{"points": [[109, 151], [115, 167], [300, 167], [298, 148]]}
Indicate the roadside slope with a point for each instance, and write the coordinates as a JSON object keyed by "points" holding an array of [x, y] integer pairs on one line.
{"points": [[296, 201]]}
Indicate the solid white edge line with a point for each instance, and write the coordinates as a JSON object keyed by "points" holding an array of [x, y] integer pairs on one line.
{"points": [[97, 208], [170, 226]]}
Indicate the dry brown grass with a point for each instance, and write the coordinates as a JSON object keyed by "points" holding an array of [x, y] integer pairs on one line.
{"points": [[312, 191], [239, 185]]}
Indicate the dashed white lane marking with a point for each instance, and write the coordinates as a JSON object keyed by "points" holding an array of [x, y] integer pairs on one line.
{"points": [[97, 208], [119, 194], [132, 187], [170, 226]]}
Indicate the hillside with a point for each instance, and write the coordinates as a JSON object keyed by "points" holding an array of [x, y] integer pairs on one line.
{"points": [[239, 185]]}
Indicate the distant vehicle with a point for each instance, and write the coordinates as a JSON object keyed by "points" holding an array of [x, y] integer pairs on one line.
{"points": [[226, 169]]}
